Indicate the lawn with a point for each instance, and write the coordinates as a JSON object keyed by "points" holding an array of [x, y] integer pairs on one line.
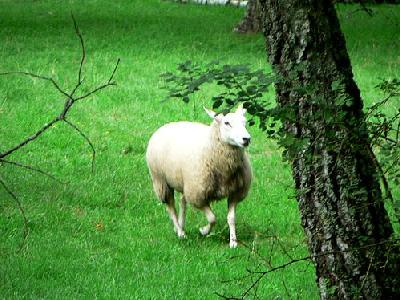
{"points": [[103, 234]]}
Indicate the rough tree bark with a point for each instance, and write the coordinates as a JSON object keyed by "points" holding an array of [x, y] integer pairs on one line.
{"points": [[341, 205], [251, 21]]}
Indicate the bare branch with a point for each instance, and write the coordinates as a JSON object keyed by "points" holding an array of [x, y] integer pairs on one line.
{"points": [[55, 84], [83, 57], [87, 140], [30, 138], [369, 267], [68, 102], [385, 183], [22, 211], [109, 83], [70, 99], [95, 90], [115, 70], [262, 274], [286, 289], [30, 168], [78, 33]]}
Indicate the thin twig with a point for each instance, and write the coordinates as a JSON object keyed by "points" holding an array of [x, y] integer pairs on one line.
{"points": [[78, 33], [55, 84], [87, 140], [107, 84], [369, 267], [69, 102], [395, 163], [285, 252], [67, 105], [30, 138], [115, 70], [18, 164], [95, 90], [83, 56], [286, 289], [22, 211], [362, 8], [381, 173], [262, 274]]}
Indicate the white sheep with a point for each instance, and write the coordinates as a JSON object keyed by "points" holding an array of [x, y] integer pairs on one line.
{"points": [[204, 163]]}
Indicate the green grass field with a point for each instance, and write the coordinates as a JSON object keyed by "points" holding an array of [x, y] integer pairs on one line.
{"points": [[104, 235]]}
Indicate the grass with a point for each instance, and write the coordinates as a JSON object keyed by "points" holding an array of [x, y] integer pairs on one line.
{"points": [[104, 235]]}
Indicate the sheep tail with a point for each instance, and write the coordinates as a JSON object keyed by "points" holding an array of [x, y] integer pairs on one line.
{"points": [[163, 191]]}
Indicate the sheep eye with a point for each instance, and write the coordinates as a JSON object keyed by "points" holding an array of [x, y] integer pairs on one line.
{"points": [[228, 124]]}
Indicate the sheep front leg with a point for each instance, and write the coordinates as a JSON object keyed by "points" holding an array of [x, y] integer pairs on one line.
{"points": [[231, 222], [172, 214], [210, 218]]}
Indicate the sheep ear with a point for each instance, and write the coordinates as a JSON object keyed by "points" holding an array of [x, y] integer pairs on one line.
{"points": [[218, 118], [211, 113], [240, 109]]}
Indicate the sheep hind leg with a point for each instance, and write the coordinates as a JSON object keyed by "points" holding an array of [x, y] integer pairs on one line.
{"points": [[172, 214], [205, 230], [182, 213]]}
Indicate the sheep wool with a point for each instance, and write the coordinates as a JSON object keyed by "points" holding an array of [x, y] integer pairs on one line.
{"points": [[203, 163]]}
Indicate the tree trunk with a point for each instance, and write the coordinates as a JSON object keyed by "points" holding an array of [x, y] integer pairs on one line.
{"points": [[252, 20], [348, 230]]}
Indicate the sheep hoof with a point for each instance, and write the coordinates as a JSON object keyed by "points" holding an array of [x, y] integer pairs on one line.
{"points": [[233, 244], [181, 235], [204, 230]]}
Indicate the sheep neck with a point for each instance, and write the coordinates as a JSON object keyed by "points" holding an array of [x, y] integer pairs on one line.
{"points": [[225, 158]]}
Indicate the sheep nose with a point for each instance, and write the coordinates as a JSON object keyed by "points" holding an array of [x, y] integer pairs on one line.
{"points": [[246, 141]]}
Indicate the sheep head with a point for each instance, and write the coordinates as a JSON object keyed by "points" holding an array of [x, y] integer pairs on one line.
{"points": [[232, 126]]}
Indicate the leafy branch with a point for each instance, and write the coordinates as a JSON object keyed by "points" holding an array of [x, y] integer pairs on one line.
{"points": [[70, 99], [384, 129], [241, 84]]}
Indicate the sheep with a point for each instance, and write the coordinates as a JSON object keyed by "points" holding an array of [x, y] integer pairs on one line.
{"points": [[203, 163]]}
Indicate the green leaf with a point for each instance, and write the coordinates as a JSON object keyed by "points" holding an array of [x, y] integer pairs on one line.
{"points": [[217, 103], [230, 102]]}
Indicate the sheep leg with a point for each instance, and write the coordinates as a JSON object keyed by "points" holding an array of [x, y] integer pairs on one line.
{"points": [[182, 213], [172, 214], [205, 230], [231, 222]]}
